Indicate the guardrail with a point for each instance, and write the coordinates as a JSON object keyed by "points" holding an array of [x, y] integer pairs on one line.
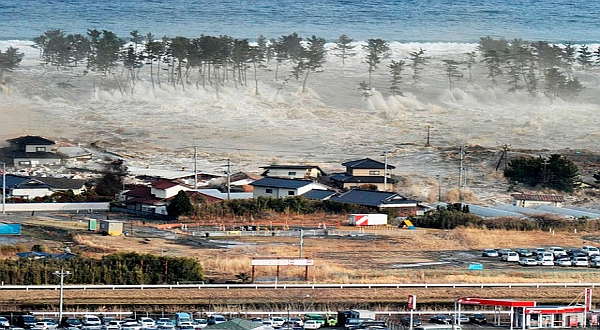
{"points": [[299, 286]]}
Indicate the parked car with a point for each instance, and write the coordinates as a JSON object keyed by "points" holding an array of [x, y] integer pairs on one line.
{"points": [[563, 262], [590, 250], [297, 320], [42, 326], [4, 322], [91, 322], [489, 253], [216, 319], [524, 252], [463, 319], [573, 253], [580, 262], [147, 322], [502, 252], [478, 318], [278, 321], [557, 251], [544, 259], [511, 257], [71, 322], [405, 321], [112, 325], [52, 324], [312, 324], [440, 319], [528, 262], [595, 263], [537, 251], [26, 321], [200, 323]]}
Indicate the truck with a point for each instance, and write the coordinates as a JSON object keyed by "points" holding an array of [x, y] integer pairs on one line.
{"points": [[362, 314], [182, 317], [371, 219]]}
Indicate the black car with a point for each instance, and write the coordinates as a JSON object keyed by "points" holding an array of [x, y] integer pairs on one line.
{"points": [[478, 319], [405, 321], [441, 319]]}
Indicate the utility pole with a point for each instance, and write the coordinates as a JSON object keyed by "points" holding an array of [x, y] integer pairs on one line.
{"points": [[439, 178], [195, 167], [461, 154], [3, 188], [62, 275], [385, 166], [228, 172], [428, 131], [301, 241]]}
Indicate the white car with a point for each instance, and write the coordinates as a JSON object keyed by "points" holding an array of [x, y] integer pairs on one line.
{"points": [[590, 250], [296, 320], [527, 262], [557, 251], [544, 260], [563, 262], [312, 324], [278, 322], [579, 262], [511, 256], [147, 322], [112, 325], [44, 326], [4, 323]]}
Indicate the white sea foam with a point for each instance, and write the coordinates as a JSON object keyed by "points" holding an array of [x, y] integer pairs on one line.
{"points": [[329, 123]]}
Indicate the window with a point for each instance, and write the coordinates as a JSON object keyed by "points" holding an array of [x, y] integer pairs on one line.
{"points": [[40, 149], [291, 193], [291, 173], [373, 172], [269, 191]]}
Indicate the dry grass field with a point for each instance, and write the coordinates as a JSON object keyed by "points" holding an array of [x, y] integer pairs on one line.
{"points": [[378, 256]]}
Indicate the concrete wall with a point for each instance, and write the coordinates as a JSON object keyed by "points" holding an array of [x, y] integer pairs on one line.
{"points": [[28, 207]]}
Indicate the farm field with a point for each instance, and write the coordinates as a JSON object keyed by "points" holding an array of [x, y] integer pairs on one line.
{"points": [[383, 255]]}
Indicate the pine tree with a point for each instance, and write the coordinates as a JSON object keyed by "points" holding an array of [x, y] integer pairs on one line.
{"points": [[9, 60], [493, 62], [417, 62], [585, 57], [313, 56], [344, 48], [376, 51], [180, 205], [452, 72], [554, 83], [396, 68]]}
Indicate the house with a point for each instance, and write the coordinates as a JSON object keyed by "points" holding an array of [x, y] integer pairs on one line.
{"points": [[365, 172], [304, 172], [32, 187], [74, 153], [153, 198], [380, 200], [318, 194], [530, 200], [277, 187], [31, 150]]}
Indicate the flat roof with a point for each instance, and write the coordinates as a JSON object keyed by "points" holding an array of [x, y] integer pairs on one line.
{"points": [[496, 302]]}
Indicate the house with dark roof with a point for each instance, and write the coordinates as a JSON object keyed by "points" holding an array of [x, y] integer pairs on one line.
{"points": [[303, 172], [531, 200], [365, 172], [31, 150], [153, 198], [278, 187], [381, 201], [32, 187]]}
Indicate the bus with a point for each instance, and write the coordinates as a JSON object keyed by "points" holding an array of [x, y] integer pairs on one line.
{"points": [[317, 317]]}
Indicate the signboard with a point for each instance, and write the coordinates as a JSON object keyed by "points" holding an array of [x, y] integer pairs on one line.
{"points": [[475, 266], [412, 301], [588, 299], [282, 262]]}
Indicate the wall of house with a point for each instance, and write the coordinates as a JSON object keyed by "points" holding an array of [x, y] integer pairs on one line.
{"points": [[28, 162], [355, 185], [42, 148], [166, 193], [287, 173], [31, 193], [368, 172]]}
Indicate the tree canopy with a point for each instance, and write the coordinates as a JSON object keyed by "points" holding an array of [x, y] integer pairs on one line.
{"points": [[556, 172]]}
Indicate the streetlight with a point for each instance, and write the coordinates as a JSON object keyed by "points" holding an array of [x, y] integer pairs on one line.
{"points": [[62, 275]]}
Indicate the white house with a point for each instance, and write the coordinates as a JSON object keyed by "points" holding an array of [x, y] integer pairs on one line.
{"points": [[165, 188], [278, 187], [529, 200], [293, 172]]}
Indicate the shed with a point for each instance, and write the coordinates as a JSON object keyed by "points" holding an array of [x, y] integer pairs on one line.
{"points": [[111, 227]]}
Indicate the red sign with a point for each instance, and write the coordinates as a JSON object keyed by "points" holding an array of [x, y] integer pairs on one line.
{"points": [[412, 301], [588, 299]]}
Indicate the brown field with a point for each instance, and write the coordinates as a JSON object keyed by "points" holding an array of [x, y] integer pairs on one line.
{"points": [[380, 258]]}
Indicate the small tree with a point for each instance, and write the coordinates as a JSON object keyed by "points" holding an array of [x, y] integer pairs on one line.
{"points": [[377, 50], [344, 48], [418, 60], [396, 68], [9, 60], [452, 72], [313, 56], [180, 205]]}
